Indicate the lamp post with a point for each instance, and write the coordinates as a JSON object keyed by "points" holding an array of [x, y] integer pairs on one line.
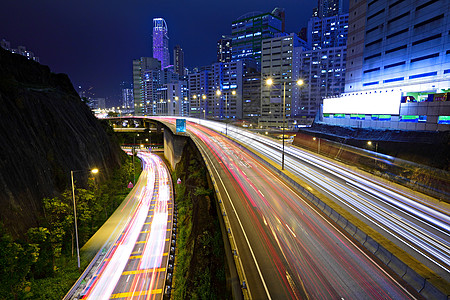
{"points": [[93, 171], [204, 104], [269, 82]]}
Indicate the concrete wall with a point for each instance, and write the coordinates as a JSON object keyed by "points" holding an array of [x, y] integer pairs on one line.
{"points": [[173, 146]]}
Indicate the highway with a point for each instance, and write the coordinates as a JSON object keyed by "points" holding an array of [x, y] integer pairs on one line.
{"points": [[416, 225], [287, 249], [135, 265]]}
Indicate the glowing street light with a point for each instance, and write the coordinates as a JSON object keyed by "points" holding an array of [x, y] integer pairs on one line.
{"points": [[270, 82], [93, 171]]}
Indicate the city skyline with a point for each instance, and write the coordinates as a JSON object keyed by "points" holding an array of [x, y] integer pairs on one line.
{"points": [[81, 40]]}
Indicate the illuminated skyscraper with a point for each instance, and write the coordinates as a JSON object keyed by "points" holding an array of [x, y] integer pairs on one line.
{"points": [[328, 8], [161, 42], [178, 60], [249, 30]]}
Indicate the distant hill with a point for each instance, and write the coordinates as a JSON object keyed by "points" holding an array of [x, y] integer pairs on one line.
{"points": [[45, 132]]}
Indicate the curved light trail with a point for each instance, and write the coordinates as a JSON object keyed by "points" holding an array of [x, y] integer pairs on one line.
{"points": [[134, 266], [419, 227]]}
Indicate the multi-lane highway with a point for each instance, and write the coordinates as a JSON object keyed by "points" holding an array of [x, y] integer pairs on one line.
{"points": [[287, 249], [415, 224], [135, 265]]}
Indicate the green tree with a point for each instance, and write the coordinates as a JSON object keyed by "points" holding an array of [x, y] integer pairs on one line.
{"points": [[16, 259]]}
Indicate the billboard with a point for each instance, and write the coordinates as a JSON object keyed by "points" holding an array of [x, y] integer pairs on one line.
{"points": [[369, 103], [181, 125]]}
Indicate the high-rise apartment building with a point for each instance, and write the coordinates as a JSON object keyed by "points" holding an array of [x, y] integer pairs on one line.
{"points": [[161, 42], [248, 32], [251, 96], [398, 67], [224, 47], [178, 60], [22, 50], [328, 32], [328, 8], [173, 99], [204, 99], [278, 64], [323, 73]]}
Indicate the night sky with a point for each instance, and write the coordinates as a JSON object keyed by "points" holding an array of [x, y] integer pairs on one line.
{"points": [[95, 41]]}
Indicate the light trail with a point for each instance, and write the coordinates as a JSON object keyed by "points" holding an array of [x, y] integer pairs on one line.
{"points": [[111, 279], [420, 228]]}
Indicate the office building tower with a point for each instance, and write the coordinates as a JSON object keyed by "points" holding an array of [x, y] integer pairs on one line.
{"points": [[398, 67], [248, 32], [328, 8], [224, 48], [161, 42], [278, 64], [178, 60], [146, 80]]}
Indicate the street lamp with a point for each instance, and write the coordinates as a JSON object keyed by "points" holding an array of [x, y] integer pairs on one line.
{"points": [[204, 103], [270, 82], [93, 171]]}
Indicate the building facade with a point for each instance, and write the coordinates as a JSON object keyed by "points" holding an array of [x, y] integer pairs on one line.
{"points": [[398, 67], [323, 73], [206, 101], [178, 60], [146, 80], [328, 32], [328, 8], [224, 48], [249, 31], [22, 50], [278, 64], [161, 42]]}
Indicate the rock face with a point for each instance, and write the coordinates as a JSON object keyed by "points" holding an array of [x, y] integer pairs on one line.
{"points": [[45, 132]]}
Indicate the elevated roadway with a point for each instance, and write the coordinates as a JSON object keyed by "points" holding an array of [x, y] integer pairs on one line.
{"points": [[285, 249]]}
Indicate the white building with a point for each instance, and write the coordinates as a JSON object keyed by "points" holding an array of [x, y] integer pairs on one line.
{"points": [[398, 67]]}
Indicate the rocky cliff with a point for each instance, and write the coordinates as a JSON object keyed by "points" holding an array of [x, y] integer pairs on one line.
{"points": [[45, 132]]}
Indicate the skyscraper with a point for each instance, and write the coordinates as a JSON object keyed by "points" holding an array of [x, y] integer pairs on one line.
{"points": [[161, 42], [249, 30], [224, 49], [328, 8], [178, 60]]}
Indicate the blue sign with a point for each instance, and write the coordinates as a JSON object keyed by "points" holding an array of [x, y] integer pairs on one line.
{"points": [[181, 125]]}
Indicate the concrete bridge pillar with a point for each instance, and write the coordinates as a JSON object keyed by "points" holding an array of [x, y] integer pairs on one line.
{"points": [[173, 146]]}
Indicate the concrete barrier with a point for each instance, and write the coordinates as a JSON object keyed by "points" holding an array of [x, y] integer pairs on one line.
{"points": [[384, 255], [371, 244], [397, 266]]}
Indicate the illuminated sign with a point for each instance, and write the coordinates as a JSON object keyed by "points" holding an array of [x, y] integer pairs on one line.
{"points": [[367, 103], [181, 125], [381, 117], [409, 118], [357, 116], [444, 120]]}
